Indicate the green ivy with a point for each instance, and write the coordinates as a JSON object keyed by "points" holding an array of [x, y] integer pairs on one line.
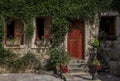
{"points": [[58, 56], [13, 63], [61, 11], [115, 5], [1, 29], [29, 28]]}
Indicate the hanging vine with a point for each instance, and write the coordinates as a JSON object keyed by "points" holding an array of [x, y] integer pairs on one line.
{"points": [[61, 11]]}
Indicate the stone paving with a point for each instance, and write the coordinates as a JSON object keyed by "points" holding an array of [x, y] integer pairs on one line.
{"points": [[101, 77], [27, 77], [81, 77], [108, 77], [72, 77]]}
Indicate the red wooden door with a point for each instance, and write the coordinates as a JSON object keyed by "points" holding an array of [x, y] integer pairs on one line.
{"points": [[75, 40]]}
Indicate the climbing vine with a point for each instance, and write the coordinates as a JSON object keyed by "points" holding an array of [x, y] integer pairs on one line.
{"points": [[1, 29], [61, 11], [115, 5]]}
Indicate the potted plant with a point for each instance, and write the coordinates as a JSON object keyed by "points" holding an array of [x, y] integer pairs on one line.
{"points": [[63, 71], [95, 43], [10, 41], [44, 41], [17, 41], [96, 64]]}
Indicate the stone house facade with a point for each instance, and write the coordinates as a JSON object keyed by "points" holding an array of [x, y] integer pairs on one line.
{"points": [[114, 21], [76, 41]]}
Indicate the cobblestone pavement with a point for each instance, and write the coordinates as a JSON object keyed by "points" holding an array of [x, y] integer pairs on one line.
{"points": [[72, 77], [101, 77], [27, 77], [108, 77]]}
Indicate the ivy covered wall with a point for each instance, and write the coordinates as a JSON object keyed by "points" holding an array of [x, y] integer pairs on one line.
{"points": [[61, 11]]}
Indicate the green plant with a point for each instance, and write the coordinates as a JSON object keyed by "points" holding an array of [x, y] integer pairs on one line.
{"points": [[104, 50], [1, 29], [93, 62], [95, 43], [16, 64], [6, 56], [28, 61], [58, 56], [96, 62], [61, 11], [10, 41]]}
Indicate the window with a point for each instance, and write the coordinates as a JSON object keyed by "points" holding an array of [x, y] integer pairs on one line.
{"points": [[107, 24], [42, 27], [10, 30], [14, 32]]}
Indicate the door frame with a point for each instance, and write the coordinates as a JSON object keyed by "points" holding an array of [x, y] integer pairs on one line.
{"points": [[83, 40]]}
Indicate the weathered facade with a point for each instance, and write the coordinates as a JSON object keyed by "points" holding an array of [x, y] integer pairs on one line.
{"points": [[114, 61], [76, 41], [14, 37]]}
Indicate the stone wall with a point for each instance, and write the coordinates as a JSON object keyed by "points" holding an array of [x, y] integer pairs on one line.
{"points": [[115, 67], [115, 59], [40, 53], [91, 29]]}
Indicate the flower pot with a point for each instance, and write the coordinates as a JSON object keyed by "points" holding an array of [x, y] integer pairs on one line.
{"points": [[63, 69], [97, 67]]}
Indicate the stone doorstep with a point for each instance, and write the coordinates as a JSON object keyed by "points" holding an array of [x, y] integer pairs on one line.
{"points": [[81, 73], [77, 69], [73, 64], [76, 61]]}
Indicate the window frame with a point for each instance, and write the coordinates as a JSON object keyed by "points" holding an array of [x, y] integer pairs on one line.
{"points": [[47, 22], [111, 34], [14, 41]]}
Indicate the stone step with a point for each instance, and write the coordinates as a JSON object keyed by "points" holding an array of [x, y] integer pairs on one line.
{"points": [[73, 64], [77, 61], [73, 70], [77, 65]]}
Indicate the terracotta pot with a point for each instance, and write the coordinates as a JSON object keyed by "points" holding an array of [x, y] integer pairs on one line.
{"points": [[97, 67]]}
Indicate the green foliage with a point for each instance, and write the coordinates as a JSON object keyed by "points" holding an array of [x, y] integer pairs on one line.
{"points": [[1, 29], [15, 64], [29, 29], [96, 62], [62, 11], [115, 5], [59, 29], [5, 56], [57, 56], [103, 51], [95, 43], [28, 61]]}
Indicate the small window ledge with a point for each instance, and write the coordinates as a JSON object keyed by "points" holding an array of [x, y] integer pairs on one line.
{"points": [[14, 46]]}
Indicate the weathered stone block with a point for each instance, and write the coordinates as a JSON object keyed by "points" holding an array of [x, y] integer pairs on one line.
{"points": [[114, 67]]}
